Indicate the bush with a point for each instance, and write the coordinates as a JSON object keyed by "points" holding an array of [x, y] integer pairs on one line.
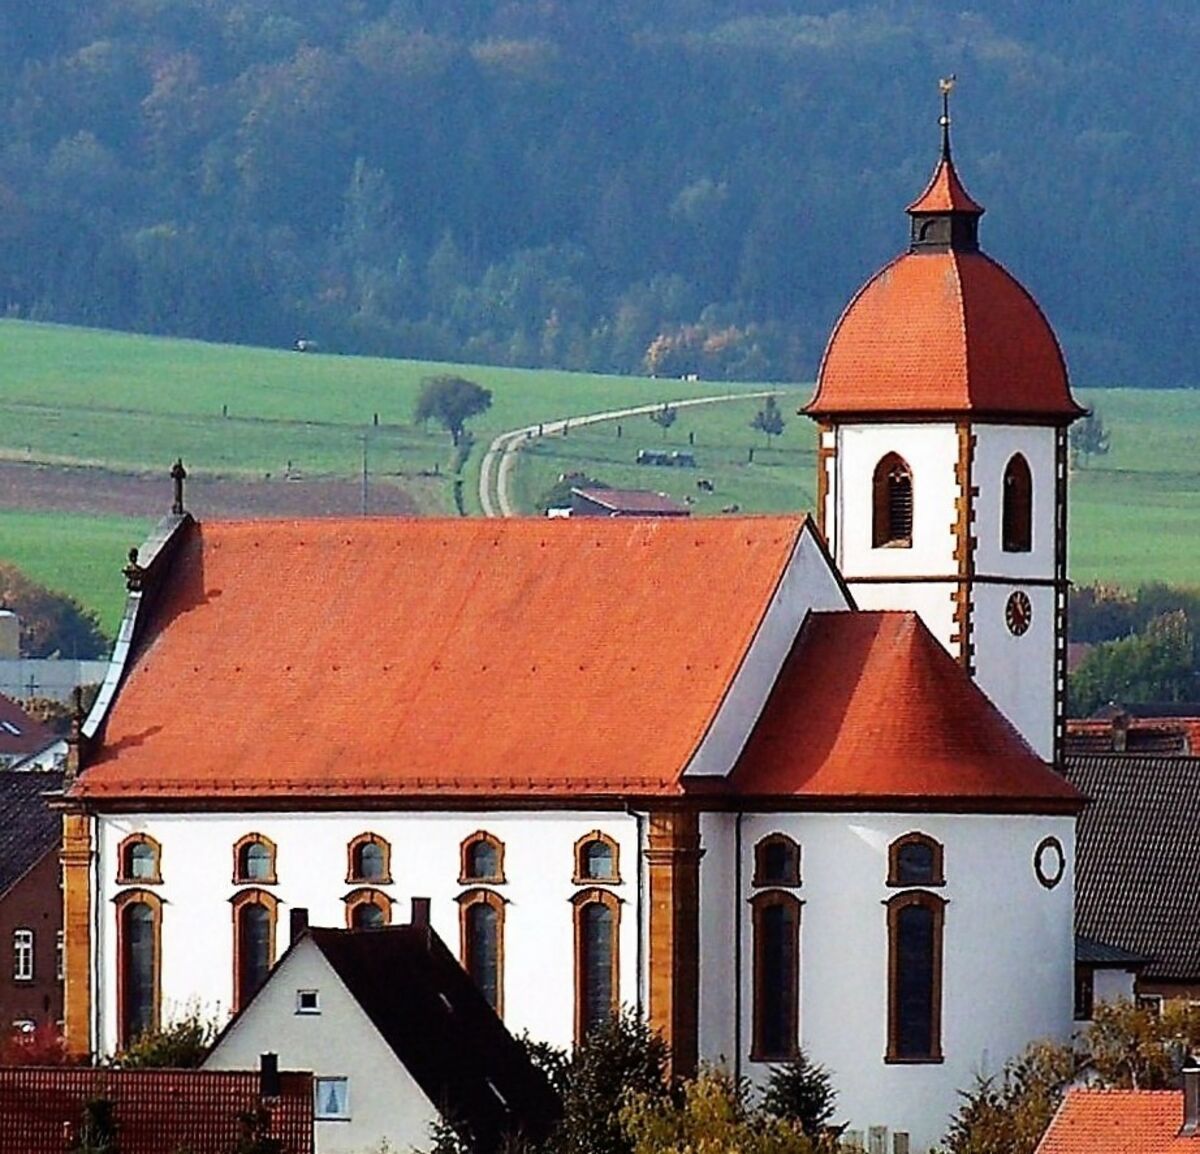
{"points": [[802, 1092], [183, 1044]]}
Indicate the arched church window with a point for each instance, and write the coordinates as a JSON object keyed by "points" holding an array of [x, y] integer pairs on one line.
{"points": [[139, 952], [776, 861], [254, 860], [892, 517], [370, 859], [597, 859], [915, 924], [916, 859], [368, 909], [482, 859], [597, 990], [139, 861], [481, 934], [1016, 530], [776, 975], [254, 914]]}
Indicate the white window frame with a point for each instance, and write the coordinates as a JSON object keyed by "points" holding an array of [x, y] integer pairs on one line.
{"points": [[23, 955], [60, 947], [320, 1083]]}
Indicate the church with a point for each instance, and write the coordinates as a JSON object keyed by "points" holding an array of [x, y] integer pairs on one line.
{"points": [[774, 782]]}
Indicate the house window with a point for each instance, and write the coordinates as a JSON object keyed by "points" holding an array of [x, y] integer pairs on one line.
{"points": [[254, 914], [776, 975], [308, 1001], [23, 955], [915, 922], [597, 859], [481, 931], [915, 860], [597, 993], [1016, 529], [1085, 993], [370, 860], [776, 861], [892, 514], [254, 860], [482, 860], [331, 1099], [138, 861], [139, 953], [368, 909]]}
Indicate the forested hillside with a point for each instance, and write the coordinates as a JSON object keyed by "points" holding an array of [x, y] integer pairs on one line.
{"points": [[589, 184]]}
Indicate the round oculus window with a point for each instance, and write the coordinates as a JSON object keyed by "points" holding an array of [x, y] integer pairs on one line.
{"points": [[1049, 862], [1018, 613]]}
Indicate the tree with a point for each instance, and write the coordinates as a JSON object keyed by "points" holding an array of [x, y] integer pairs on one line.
{"points": [[181, 1045], [768, 420], [98, 1133], [50, 622], [1139, 1049], [1157, 664], [450, 400], [1089, 437], [712, 1115], [802, 1092], [664, 418]]}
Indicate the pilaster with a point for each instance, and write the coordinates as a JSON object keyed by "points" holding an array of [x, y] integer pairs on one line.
{"points": [[76, 857]]}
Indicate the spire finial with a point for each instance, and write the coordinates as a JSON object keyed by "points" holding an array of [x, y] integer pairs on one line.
{"points": [[178, 475], [946, 84]]}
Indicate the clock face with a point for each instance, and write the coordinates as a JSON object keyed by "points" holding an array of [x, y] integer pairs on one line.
{"points": [[1018, 613]]}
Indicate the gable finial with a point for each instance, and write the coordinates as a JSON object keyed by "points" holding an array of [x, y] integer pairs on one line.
{"points": [[946, 85], [178, 475], [134, 573]]}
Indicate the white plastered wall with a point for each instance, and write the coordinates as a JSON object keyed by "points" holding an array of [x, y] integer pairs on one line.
{"points": [[197, 924], [1008, 957], [384, 1100], [1113, 986]]}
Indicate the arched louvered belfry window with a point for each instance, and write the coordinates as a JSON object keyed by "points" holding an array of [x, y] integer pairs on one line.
{"points": [[1016, 530], [892, 492]]}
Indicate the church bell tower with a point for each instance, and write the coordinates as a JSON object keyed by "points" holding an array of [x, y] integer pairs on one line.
{"points": [[942, 405]]}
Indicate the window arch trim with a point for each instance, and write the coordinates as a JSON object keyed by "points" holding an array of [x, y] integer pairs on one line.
{"points": [[581, 900], [354, 870], [469, 877], [790, 876], [121, 903], [759, 904], [240, 876], [915, 837], [1016, 517], [239, 901], [466, 901], [125, 875], [367, 896], [892, 503], [582, 876], [936, 905]]}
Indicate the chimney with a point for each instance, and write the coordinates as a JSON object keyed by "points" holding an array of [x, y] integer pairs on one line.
{"points": [[1120, 732], [10, 635], [268, 1075], [1191, 1100], [420, 912], [297, 922]]}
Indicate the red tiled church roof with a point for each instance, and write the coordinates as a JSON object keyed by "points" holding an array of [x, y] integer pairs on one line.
{"points": [[945, 193], [869, 705], [1119, 1122], [350, 658], [944, 332]]}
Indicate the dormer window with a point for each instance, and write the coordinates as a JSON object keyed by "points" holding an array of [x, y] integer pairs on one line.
{"points": [[254, 860], [139, 860], [892, 520], [596, 859]]}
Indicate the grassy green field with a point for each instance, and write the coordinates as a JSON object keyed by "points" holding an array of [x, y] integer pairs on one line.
{"points": [[134, 403]]}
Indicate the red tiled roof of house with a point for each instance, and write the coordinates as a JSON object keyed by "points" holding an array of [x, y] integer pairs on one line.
{"points": [[156, 1111], [21, 734], [1119, 1122], [943, 332], [870, 705], [426, 657], [945, 193]]}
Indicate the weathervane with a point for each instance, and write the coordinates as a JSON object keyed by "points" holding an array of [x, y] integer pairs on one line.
{"points": [[946, 85]]}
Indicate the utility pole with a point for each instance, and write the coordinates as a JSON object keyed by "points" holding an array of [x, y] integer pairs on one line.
{"points": [[364, 475]]}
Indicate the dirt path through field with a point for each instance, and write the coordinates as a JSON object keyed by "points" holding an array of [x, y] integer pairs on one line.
{"points": [[48, 488]]}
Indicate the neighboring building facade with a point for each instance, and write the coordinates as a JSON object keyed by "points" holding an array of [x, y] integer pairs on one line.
{"points": [[397, 1037], [666, 762], [31, 994], [21, 737]]}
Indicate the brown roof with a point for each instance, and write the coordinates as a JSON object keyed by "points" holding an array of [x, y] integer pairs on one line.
{"points": [[945, 193], [419, 657], [20, 734], [156, 1111], [634, 502], [943, 332], [1119, 1122], [871, 705]]}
